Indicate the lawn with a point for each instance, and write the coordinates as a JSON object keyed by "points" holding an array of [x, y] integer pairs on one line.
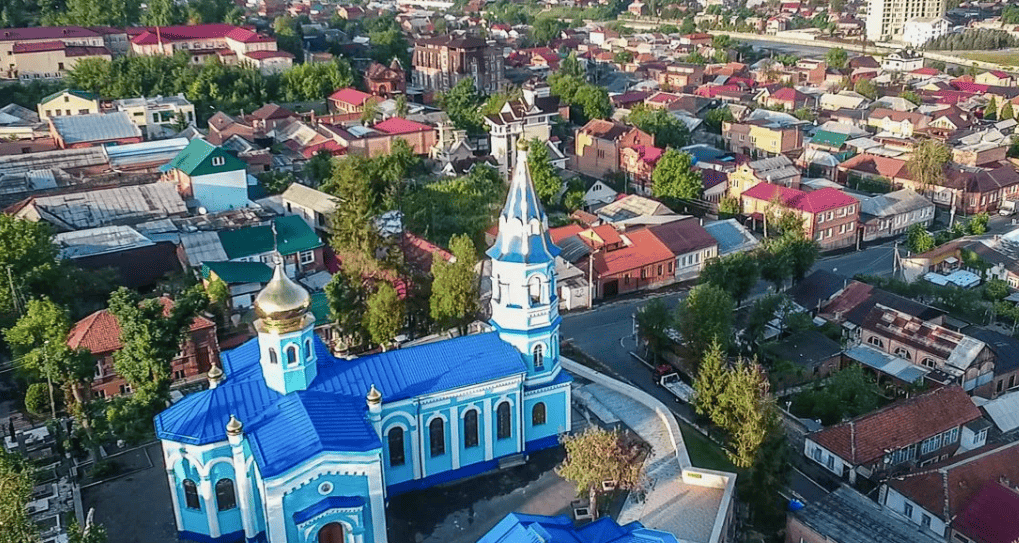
{"points": [[703, 452], [1008, 57]]}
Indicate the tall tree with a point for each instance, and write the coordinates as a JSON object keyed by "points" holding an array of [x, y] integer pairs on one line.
{"points": [[653, 319], [347, 298], [593, 101], [28, 265], [1007, 112], [402, 108], [737, 274], [705, 316], [454, 300], [776, 265], [461, 104], [596, 456], [546, 30], [991, 110], [547, 182], [746, 412], [675, 177], [866, 88], [16, 480], [837, 58], [163, 13], [927, 164], [665, 127], [711, 382], [318, 168], [384, 315]]}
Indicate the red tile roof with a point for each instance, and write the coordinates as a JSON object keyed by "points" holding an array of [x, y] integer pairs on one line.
{"points": [[970, 87], [38, 46], [562, 232], [891, 168], [1000, 74], [991, 514], [46, 33], [809, 202], [153, 35], [396, 125], [925, 71], [788, 94], [100, 331], [864, 440], [645, 249], [649, 153], [350, 96]]}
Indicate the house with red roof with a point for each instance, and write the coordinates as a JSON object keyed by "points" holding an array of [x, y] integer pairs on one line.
{"points": [[379, 139], [598, 143], [231, 44], [638, 164], [349, 100], [788, 98], [100, 334], [898, 437], [995, 78], [642, 262], [830, 216]]}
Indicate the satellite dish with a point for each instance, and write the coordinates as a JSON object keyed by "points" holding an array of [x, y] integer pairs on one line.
{"points": [[202, 211]]}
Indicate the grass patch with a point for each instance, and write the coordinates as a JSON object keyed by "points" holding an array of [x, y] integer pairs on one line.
{"points": [[1008, 58], [703, 452]]}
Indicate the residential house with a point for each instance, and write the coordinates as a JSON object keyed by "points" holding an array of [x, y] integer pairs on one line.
{"points": [[842, 100], [777, 170], [995, 78], [789, 99], [127, 205], [598, 195], [904, 60], [814, 356], [157, 117], [68, 102], [977, 190], [441, 62], [829, 215], [896, 437], [1006, 359], [598, 143], [379, 139], [527, 118], [350, 100], [638, 164], [934, 498], [100, 334], [889, 215], [521, 528], [902, 124], [920, 30], [634, 209], [315, 207], [288, 237], [680, 75], [94, 130], [244, 280], [214, 178], [691, 244], [386, 81], [229, 44], [642, 262], [990, 516], [887, 170], [846, 516], [762, 137]]}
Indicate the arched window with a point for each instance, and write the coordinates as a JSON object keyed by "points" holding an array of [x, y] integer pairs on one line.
{"points": [[929, 362], [471, 428], [876, 341], [538, 414], [539, 358], [307, 349], [437, 437], [191, 500], [534, 289], [902, 353], [273, 357], [225, 497], [291, 354], [397, 456], [502, 421]]}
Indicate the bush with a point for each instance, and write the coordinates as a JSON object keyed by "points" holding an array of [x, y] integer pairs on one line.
{"points": [[37, 399]]}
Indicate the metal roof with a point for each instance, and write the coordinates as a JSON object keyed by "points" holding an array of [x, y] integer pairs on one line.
{"points": [[731, 236], [310, 198], [292, 235], [887, 363], [95, 127], [847, 516], [94, 241], [121, 205], [202, 247], [238, 272]]}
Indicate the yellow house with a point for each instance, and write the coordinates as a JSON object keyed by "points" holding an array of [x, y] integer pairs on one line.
{"points": [[995, 78], [68, 102], [777, 170]]}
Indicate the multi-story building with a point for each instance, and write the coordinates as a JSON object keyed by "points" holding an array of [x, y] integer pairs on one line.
{"points": [[216, 179], [762, 137], [230, 44], [441, 62], [829, 215], [157, 117], [48, 51], [598, 143], [68, 102], [920, 30], [886, 19], [777, 170], [527, 118]]}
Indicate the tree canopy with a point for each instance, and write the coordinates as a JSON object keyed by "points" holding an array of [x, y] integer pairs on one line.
{"points": [[16, 480], [675, 177], [706, 315], [544, 177], [454, 300], [736, 274], [928, 161], [462, 103], [837, 58], [596, 456], [665, 127], [384, 315]]}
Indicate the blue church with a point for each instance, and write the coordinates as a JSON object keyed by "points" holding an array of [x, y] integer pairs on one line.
{"points": [[292, 445]]}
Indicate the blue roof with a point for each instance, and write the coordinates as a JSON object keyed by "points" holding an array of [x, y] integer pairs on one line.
{"points": [[521, 528], [516, 241], [201, 418], [332, 502], [303, 424]]}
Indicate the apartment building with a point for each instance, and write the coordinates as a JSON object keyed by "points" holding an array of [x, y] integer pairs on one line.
{"points": [[157, 117], [886, 19], [46, 52], [230, 44], [441, 62], [762, 137], [829, 215], [599, 142]]}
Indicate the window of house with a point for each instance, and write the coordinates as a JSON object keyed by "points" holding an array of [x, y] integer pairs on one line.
{"points": [[951, 437], [191, 500], [226, 499], [907, 509], [218, 161], [538, 414], [178, 375], [902, 353], [929, 362], [502, 421], [125, 389], [1000, 385], [643, 273], [437, 437], [876, 341], [626, 279], [397, 455], [273, 358], [817, 454], [539, 358], [1011, 380], [471, 429], [659, 269], [925, 520], [307, 257]]}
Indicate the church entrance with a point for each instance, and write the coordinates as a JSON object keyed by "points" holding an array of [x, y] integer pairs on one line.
{"points": [[331, 533]]}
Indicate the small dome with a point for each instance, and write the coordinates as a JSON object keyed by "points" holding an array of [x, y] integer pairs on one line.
{"points": [[374, 396], [234, 427], [282, 300], [215, 373]]}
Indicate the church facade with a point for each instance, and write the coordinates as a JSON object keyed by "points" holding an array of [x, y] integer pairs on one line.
{"points": [[290, 444]]}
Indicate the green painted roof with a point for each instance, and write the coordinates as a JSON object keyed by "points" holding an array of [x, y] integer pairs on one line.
{"points": [[832, 139], [320, 308], [238, 272], [196, 159], [80, 94], [292, 233]]}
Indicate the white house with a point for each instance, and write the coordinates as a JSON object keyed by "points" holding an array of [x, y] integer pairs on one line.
{"points": [[903, 60], [920, 30], [214, 178]]}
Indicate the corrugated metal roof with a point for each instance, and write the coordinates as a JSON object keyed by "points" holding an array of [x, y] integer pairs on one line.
{"points": [[96, 241], [95, 127], [1004, 411], [293, 235], [202, 247], [121, 205]]}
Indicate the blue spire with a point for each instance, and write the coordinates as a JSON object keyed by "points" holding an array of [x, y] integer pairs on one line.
{"points": [[523, 226]]}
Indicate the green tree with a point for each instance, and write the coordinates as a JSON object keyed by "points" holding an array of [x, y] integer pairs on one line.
{"points": [[315, 80], [355, 238], [746, 412], [711, 382], [454, 300], [977, 225], [836, 58], [162, 13], [729, 205], [714, 118], [596, 456], [919, 239], [991, 110], [319, 168], [911, 96], [369, 111], [1010, 15], [866, 88], [927, 164], [16, 480], [801, 252], [461, 104], [667, 130], [1007, 112], [622, 57], [737, 274], [704, 316], [402, 109], [776, 266], [593, 101], [38, 402], [93, 533], [27, 263], [688, 26], [846, 394], [347, 297], [384, 315], [805, 114], [675, 177], [546, 30], [653, 319], [547, 182]]}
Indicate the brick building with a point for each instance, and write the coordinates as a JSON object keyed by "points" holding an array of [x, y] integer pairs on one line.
{"points": [[441, 62], [829, 215], [598, 145]]}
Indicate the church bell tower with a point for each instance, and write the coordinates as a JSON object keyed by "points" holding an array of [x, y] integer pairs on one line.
{"points": [[286, 334], [525, 304]]}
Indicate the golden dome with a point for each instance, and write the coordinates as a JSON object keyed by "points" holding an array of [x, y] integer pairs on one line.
{"points": [[374, 396], [234, 427], [215, 373], [282, 303]]}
